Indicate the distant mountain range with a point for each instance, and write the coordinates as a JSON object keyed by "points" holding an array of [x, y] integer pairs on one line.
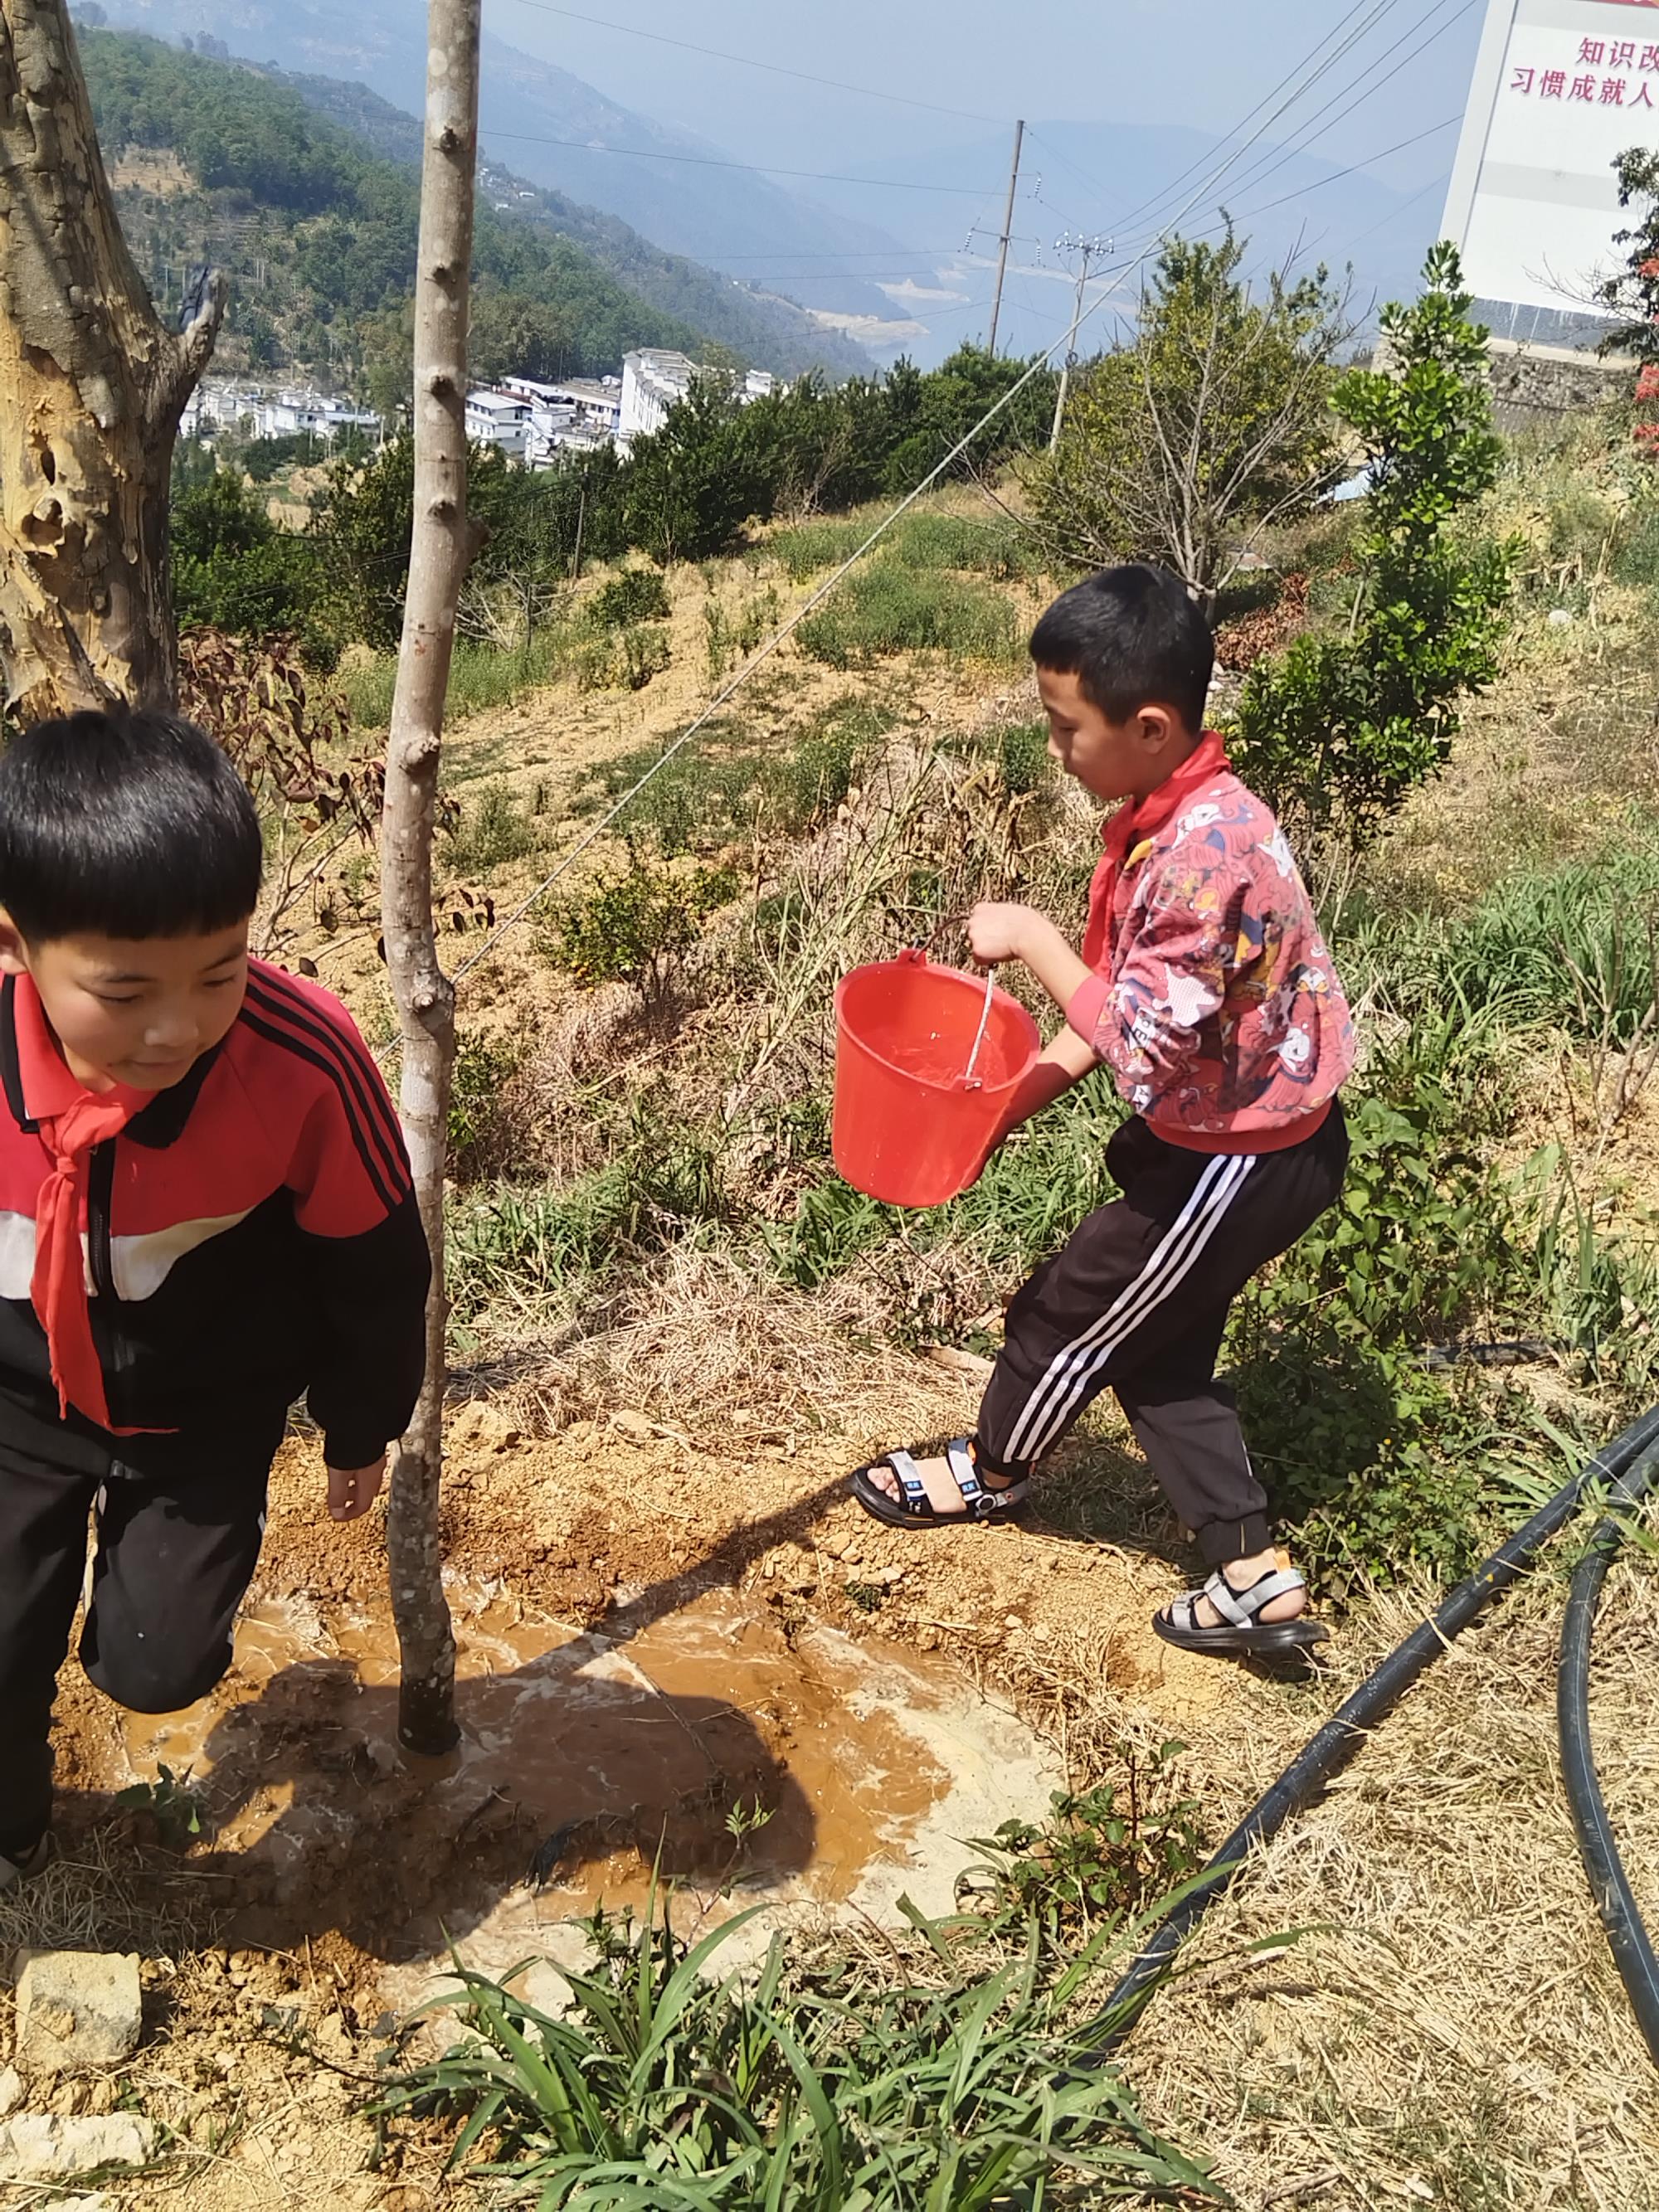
{"points": [[554, 129], [924, 292]]}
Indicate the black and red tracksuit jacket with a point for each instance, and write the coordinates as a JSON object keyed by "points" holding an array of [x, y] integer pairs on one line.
{"points": [[250, 1235]]}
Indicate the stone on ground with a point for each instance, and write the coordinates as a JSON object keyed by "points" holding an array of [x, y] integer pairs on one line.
{"points": [[76, 2010], [50, 2146]]}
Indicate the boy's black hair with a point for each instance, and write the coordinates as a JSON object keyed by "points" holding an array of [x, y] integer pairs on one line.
{"points": [[125, 824], [1134, 638]]}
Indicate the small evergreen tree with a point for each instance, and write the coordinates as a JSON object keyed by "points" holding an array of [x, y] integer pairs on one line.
{"points": [[1339, 729]]}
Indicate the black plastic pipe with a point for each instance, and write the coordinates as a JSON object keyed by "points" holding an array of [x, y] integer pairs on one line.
{"points": [[1342, 1734], [1632, 1949]]}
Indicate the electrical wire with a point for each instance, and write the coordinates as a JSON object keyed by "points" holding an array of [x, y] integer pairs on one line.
{"points": [[749, 61], [751, 168], [1352, 169], [1261, 174], [1378, 8]]}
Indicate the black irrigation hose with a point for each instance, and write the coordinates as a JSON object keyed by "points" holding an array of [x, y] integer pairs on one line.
{"points": [[1632, 1949], [1343, 1734]]}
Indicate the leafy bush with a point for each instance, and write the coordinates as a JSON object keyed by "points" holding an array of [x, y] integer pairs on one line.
{"points": [[494, 828], [670, 2085], [1108, 1851], [1339, 728], [1023, 758], [632, 595], [482, 1068], [233, 569], [888, 608], [637, 927]]}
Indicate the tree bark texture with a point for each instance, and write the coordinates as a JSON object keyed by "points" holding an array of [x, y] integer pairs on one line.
{"points": [[441, 550], [92, 385]]}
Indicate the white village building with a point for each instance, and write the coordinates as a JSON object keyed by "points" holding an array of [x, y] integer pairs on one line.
{"points": [[654, 378]]}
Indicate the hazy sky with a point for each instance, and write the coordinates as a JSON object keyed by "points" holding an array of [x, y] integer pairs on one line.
{"points": [[1206, 62]]}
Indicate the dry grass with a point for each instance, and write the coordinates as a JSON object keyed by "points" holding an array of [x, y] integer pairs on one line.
{"points": [[1448, 2029], [709, 1347]]}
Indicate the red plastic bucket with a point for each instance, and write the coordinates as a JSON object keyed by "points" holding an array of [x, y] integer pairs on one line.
{"points": [[909, 1127]]}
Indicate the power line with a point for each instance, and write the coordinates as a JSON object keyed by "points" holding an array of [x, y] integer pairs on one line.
{"points": [[753, 168], [1378, 10], [1434, 185], [1261, 174], [748, 61], [1337, 175]]}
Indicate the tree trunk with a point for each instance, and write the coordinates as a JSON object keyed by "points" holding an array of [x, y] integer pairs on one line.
{"points": [[439, 551], [92, 386]]}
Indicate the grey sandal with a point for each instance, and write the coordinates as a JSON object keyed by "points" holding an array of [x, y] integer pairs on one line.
{"points": [[1242, 1630], [915, 1509]]}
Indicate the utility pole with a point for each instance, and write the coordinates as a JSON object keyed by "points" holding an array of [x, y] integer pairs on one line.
{"points": [[1007, 227], [1094, 248]]}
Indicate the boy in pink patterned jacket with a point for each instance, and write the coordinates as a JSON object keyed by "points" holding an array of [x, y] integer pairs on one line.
{"points": [[1205, 986]]}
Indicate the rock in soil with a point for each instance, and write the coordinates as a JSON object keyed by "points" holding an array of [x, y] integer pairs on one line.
{"points": [[76, 2010], [47, 2147]]}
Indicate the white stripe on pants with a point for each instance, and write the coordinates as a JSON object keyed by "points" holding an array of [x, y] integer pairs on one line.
{"points": [[1071, 1369]]}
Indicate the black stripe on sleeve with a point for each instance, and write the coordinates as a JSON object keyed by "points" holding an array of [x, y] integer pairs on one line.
{"points": [[365, 1087], [385, 1191]]}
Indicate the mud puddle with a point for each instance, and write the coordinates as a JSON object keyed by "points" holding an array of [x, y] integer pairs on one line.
{"points": [[811, 1770]]}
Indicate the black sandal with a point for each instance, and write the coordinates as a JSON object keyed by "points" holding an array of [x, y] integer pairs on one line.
{"points": [[915, 1509], [1241, 1631]]}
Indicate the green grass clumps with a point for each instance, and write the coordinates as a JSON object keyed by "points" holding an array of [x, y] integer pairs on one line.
{"points": [[889, 608], [724, 786], [992, 546], [480, 677], [495, 827], [676, 2084]]}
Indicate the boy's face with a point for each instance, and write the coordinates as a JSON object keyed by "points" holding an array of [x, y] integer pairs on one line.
{"points": [[139, 1011], [1114, 760]]}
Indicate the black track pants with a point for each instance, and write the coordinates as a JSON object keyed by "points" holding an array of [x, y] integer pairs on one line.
{"points": [[178, 1537], [1138, 1300]]}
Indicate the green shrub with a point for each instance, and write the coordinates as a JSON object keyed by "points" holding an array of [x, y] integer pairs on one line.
{"points": [[637, 927], [888, 608], [494, 828], [483, 1067], [632, 595], [1342, 726], [645, 652], [1112, 1850], [1024, 758]]}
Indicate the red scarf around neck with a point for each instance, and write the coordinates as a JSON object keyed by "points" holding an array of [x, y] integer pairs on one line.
{"points": [[72, 1120], [1135, 821]]}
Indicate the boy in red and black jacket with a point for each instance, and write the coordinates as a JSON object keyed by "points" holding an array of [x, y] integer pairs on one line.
{"points": [[205, 1212], [1206, 988]]}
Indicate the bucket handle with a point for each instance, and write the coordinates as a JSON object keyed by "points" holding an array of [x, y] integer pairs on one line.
{"points": [[917, 955], [970, 1081]]}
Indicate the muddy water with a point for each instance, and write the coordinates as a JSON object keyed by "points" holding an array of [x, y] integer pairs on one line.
{"points": [[743, 1763]]}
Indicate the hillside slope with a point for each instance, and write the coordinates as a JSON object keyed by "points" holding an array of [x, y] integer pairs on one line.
{"points": [[565, 135], [776, 334], [215, 161]]}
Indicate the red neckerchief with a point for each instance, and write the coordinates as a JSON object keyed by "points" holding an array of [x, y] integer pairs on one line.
{"points": [[1137, 820], [72, 1120]]}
